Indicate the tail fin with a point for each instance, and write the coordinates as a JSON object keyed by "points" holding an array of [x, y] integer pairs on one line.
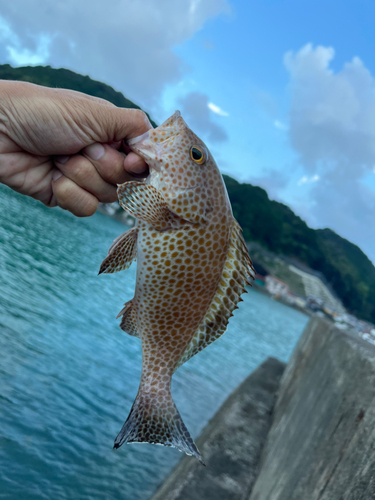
{"points": [[155, 422]]}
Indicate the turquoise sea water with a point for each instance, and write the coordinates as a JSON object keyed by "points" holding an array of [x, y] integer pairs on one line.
{"points": [[69, 375]]}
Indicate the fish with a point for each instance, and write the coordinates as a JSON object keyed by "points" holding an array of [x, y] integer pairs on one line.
{"points": [[192, 267]]}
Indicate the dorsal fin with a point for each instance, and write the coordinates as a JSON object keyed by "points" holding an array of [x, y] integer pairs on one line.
{"points": [[237, 272]]}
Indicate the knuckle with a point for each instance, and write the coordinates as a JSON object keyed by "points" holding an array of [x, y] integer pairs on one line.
{"points": [[62, 192], [71, 197], [80, 169], [110, 168], [142, 118]]}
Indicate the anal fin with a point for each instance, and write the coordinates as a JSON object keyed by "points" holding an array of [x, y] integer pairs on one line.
{"points": [[146, 203], [129, 319], [122, 252]]}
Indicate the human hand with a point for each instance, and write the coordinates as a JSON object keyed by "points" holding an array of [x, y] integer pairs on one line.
{"points": [[63, 147]]}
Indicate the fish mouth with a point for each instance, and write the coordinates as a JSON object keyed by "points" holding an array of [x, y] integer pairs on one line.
{"points": [[134, 140], [154, 144], [148, 151], [151, 152]]}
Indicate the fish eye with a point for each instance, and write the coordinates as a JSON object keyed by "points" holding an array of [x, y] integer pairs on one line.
{"points": [[198, 155]]}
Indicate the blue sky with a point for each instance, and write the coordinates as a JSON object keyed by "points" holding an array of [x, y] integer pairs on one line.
{"points": [[283, 92]]}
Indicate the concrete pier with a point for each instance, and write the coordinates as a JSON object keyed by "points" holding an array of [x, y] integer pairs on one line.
{"points": [[230, 444], [317, 442], [321, 445]]}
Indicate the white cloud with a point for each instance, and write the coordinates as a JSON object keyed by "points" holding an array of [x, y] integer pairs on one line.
{"points": [[124, 43], [308, 180], [195, 108], [215, 109], [21, 56], [332, 128]]}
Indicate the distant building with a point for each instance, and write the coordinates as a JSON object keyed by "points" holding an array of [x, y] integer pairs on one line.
{"points": [[314, 287], [275, 286], [279, 288]]}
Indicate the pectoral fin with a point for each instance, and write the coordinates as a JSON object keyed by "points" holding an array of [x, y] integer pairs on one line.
{"points": [[145, 203], [122, 253]]}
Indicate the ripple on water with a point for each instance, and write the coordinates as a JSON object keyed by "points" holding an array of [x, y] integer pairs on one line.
{"points": [[69, 375]]}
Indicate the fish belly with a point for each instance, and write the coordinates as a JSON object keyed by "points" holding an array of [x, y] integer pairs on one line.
{"points": [[177, 276]]}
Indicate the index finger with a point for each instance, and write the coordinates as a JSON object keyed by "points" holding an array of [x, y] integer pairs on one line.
{"points": [[117, 124]]}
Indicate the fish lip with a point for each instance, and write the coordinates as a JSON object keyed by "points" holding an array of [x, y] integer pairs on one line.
{"points": [[151, 152], [139, 138], [148, 151]]}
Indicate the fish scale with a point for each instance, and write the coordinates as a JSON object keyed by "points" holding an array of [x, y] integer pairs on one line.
{"points": [[192, 267]]}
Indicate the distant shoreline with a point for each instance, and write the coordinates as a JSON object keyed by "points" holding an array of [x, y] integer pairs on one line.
{"points": [[113, 211]]}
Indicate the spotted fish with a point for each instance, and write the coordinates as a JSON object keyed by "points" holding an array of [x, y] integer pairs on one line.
{"points": [[192, 267]]}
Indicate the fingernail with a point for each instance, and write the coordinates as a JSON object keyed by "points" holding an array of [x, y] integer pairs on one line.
{"points": [[94, 151], [57, 174], [62, 159]]}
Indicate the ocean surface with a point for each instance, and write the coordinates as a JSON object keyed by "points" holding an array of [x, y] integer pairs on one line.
{"points": [[69, 375]]}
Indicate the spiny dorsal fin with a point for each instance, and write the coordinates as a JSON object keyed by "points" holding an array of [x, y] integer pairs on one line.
{"points": [[237, 272], [122, 252]]}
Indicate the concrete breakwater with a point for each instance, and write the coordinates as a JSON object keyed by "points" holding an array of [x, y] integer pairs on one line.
{"points": [[230, 444], [315, 440]]}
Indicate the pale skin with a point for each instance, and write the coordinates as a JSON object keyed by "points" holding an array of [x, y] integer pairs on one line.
{"points": [[65, 148]]}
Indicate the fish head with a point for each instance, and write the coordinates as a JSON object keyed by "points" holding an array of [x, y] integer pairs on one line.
{"points": [[181, 168]]}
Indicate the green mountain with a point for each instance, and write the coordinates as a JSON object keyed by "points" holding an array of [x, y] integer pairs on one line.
{"points": [[346, 268], [272, 224]]}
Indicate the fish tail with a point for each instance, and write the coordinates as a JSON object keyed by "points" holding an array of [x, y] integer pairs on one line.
{"points": [[155, 419]]}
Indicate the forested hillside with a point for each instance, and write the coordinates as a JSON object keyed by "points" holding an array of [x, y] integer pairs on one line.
{"points": [[272, 224], [276, 227]]}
